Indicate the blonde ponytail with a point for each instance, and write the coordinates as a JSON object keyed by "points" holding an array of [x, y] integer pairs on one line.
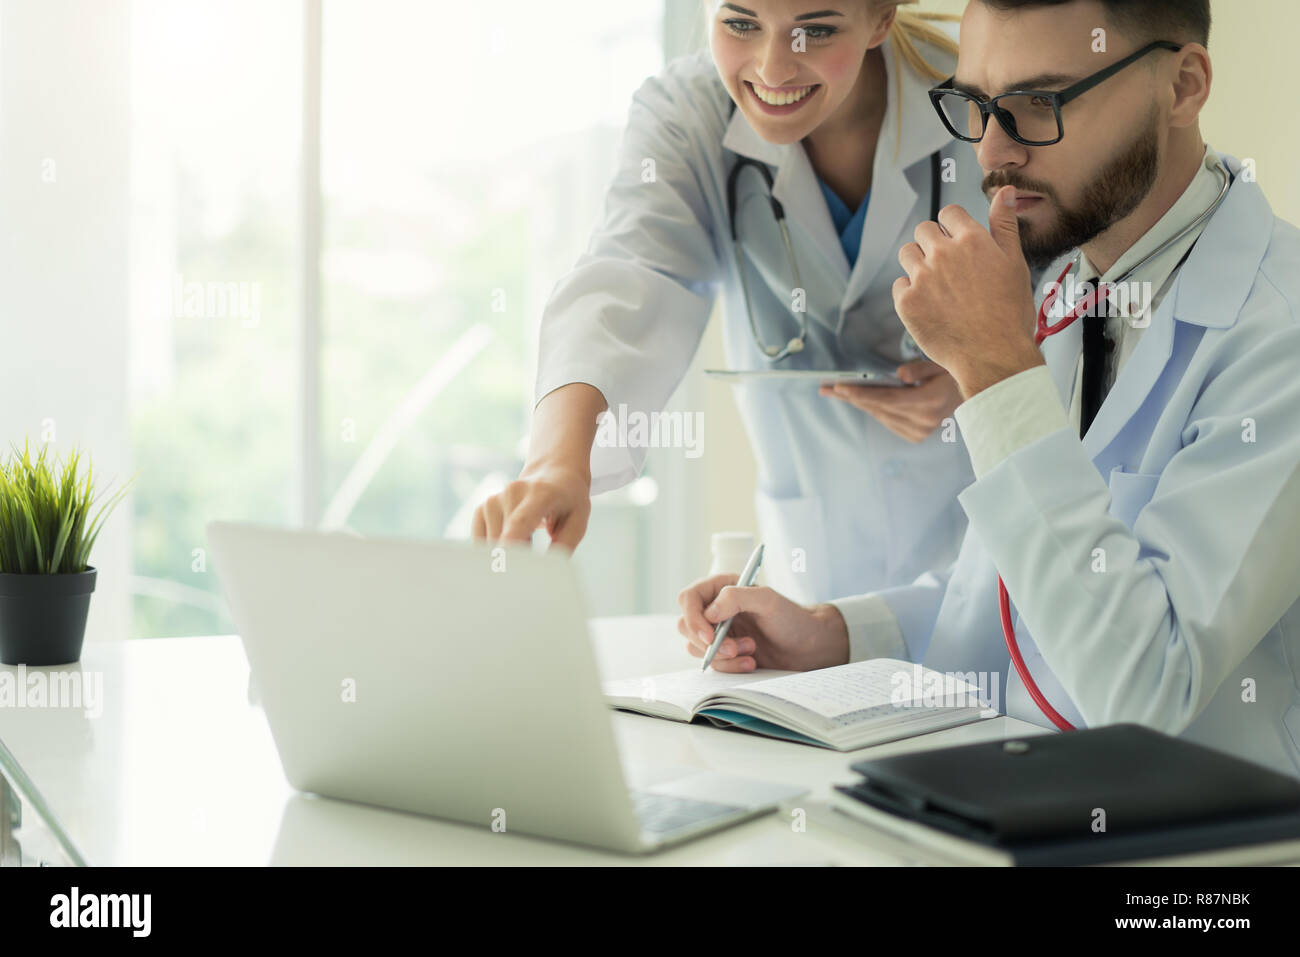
{"points": [[909, 29]]}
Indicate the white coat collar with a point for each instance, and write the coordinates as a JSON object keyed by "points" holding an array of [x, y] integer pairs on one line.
{"points": [[892, 191], [1222, 269]]}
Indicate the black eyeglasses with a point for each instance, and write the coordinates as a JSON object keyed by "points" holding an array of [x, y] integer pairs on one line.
{"points": [[1030, 117]]}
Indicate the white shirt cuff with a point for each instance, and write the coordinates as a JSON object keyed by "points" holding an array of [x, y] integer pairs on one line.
{"points": [[873, 629], [1006, 417]]}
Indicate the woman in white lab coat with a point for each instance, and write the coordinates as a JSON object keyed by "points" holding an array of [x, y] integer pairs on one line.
{"points": [[856, 486]]}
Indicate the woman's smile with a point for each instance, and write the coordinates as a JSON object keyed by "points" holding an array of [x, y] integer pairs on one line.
{"points": [[781, 100]]}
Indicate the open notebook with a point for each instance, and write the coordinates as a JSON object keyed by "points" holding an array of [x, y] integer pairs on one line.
{"points": [[846, 707]]}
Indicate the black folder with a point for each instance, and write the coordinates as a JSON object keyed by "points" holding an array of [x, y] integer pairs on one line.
{"points": [[1117, 793]]}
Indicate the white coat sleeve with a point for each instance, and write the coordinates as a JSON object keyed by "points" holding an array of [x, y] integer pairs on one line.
{"points": [[1204, 573], [628, 318], [894, 622], [1008, 416]]}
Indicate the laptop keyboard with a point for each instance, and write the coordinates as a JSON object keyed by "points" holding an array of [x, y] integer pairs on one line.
{"points": [[663, 814]]}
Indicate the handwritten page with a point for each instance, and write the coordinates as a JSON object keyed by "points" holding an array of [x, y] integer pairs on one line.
{"points": [[869, 686]]}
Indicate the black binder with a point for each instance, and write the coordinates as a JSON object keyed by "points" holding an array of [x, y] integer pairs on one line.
{"points": [[1037, 799]]}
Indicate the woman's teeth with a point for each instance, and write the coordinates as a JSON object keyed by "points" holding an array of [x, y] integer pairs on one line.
{"points": [[780, 98]]}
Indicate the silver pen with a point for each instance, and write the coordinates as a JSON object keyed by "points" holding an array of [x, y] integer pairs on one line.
{"points": [[746, 579]]}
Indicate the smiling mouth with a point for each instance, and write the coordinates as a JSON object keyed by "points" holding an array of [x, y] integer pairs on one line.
{"points": [[787, 96]]}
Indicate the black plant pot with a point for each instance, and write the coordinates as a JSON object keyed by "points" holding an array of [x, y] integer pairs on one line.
{"points": [[43, 617]]}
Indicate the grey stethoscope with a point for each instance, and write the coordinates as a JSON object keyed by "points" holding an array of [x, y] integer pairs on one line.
{"points": [[777, 353]]}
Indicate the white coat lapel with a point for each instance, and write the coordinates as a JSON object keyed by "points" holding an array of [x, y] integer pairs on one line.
{"points": [[795, 187], [1061, 352], [1135, 380]]}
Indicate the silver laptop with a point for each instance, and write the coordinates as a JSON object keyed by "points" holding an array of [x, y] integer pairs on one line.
{"points": [[450, 679]]}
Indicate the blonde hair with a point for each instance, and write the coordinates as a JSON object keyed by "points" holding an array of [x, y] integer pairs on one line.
{"points": [[909, 29]]}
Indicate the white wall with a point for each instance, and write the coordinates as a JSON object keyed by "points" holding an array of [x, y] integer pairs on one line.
{"points": [[64, 74]]}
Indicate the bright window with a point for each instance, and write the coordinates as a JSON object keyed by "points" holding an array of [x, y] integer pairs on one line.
{"points": [[463, 164]]}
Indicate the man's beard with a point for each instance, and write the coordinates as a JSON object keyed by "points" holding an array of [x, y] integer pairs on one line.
{"points": [[1114, 193]]}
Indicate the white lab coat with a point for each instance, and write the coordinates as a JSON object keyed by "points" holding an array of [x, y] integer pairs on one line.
{"points": [[1188, 483], [861, 507]]}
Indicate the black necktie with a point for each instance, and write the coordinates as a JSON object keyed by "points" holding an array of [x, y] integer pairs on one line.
{"points": [[1096, 347]]}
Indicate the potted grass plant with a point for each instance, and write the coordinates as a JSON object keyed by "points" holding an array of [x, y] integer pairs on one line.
{"points": [[46, 532]]}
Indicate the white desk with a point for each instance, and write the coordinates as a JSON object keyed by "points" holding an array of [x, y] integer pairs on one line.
{"points": [[179, 769]]}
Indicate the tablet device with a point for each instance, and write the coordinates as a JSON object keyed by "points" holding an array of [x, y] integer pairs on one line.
{"points": [[822, 377]]}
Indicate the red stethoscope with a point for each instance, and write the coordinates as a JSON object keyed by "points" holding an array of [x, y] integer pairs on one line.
{"points": [[1099, 294]]}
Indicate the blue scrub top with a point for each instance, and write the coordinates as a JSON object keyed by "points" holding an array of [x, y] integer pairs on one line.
{"points": [[847, 224]]}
